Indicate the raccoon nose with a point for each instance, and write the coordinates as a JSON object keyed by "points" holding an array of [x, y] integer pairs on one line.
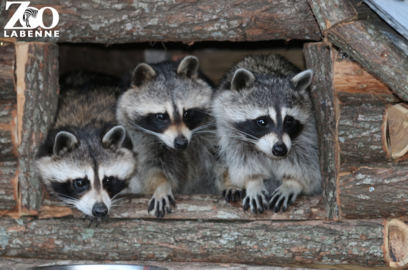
{"points": [[279, 150], [180, 142], [99, 210]]}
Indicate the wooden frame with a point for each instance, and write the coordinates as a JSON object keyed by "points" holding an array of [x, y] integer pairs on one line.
{"points": [[317, 231]]}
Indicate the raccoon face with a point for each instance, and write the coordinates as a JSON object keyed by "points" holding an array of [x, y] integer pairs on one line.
{"points": [[268, 113], [86, 173], [168, 101]]}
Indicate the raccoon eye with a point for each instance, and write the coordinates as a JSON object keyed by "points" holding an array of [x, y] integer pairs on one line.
{"points": [[188, 114], [261, 122], [108, 181], [161, 117], [289, 121], [80, 183]]}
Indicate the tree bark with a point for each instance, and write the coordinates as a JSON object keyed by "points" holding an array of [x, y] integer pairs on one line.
{"points": [[365, 41], [363, 134], [187, 21], [356, 242], [8, 126], [37, 100], [373, 190], [319, 58]]}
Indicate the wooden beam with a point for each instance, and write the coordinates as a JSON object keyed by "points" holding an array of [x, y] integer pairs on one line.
{"points": [[356, 242], [24, 263], [187, 21], [37, 100], [320, 59], [365, 41]]}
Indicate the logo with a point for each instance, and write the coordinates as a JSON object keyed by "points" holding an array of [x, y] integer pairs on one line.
{"points": [[30, 18]]}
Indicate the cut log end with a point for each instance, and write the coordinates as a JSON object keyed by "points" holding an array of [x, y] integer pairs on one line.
{"points": [[397, 248], [398, 130]]}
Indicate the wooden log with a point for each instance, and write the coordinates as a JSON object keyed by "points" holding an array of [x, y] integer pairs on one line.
{"points": [[363, 133], [356, 242], [396, 243], [364, 42], [373, 190], [320, 59], [24, 263], [37, 95], [186, 21], [212, 207], [355, 85], [8, 126]]}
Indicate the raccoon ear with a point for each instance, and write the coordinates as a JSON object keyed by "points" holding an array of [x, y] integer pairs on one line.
{"points": [[242, 79], [114, 137], [302, 80], [143, 73], [64, 140], [188, 67]]}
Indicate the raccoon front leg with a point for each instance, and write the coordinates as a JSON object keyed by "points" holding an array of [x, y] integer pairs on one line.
{"points": [[256, 196], [285, 195], [162, 198]]}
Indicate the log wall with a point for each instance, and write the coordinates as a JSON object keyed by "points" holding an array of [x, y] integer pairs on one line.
{"points": [[355, 156]]}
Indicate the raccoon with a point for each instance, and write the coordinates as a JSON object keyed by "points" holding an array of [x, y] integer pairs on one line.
{"points": [[167, 114], [267, 133], [86, 159]]}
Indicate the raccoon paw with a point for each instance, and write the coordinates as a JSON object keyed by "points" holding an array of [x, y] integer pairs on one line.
{"points": [[229, 194], [284, 196], [256, 197], [162, 201]]}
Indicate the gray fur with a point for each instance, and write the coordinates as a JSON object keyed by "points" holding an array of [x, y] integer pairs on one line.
{"points": [[277, 87], [86, 142], [176, 87]]}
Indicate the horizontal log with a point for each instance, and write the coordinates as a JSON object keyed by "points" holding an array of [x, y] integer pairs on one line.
{"points": [[363, 133], [128, 21], [398, 130], [356, 242], [354, 85], [37, 93], [24, 263], [195, 207], [319, 58], [373, 190]]}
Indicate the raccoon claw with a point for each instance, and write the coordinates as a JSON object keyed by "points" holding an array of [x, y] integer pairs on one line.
{"points": [[256, 199], [230, 194], [161, 206], [281, 201]]}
